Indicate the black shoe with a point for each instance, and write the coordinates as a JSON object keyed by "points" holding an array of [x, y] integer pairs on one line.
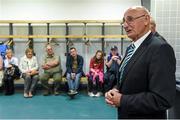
{"points": [[8, 94], [95, 92], [46, 93]]}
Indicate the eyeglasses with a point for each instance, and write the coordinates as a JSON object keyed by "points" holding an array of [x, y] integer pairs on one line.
{"points": [[130, 19]]}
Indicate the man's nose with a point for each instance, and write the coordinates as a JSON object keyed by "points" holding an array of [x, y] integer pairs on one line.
{"points": [[125, 25]]}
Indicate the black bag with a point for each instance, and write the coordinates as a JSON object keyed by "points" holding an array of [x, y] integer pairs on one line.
{"points": [[13, 71], [10, 74]]}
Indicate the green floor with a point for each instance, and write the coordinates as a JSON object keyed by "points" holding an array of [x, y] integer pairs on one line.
{"points": [[55, 107]]}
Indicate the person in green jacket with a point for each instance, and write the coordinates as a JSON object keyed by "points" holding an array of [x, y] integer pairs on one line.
{"points": [[52, 69]]}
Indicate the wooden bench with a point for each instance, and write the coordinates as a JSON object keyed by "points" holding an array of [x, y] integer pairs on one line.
{"points": [[83, 80]]}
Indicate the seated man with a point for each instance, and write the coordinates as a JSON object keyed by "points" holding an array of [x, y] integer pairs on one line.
{"points": [[1, 70], [112, 64], [74, 65], [52, 69]]}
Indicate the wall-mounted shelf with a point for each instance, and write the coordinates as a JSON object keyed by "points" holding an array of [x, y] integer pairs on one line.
{"points": [[67, 36]]}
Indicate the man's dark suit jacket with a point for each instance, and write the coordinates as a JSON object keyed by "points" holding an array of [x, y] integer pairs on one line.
{"points": [[158, 35], [148, 84]]}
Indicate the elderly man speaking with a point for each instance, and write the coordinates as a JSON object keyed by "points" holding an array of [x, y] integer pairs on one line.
{"points": [[146, 85]]}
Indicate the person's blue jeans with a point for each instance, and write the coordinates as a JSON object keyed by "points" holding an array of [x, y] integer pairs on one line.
{"points": [[73, 84]]}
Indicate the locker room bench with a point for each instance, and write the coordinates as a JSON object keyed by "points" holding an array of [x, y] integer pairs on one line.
{"points": [[83, 81]]}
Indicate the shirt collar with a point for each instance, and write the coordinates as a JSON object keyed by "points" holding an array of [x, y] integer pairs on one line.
{"points": [[140, 40], [48, 56]]}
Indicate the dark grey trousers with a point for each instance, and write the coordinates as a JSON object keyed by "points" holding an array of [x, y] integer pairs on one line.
{"points": [[30, 82]]}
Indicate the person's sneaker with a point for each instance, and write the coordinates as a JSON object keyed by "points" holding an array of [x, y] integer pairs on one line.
{"points": [[98, 94], [56, 93], [90, 94], [70, 92], [75, 91], [30, 95], [26, 95], [8, 94], [101, 94], [94, 92], [46, 93]]}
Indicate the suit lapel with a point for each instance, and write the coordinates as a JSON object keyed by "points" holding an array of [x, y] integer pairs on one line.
{"points": [[135, 57]]}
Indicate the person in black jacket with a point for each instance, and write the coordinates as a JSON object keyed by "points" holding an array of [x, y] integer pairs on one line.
{"points": [[74, 66], [153, 29], [112, 64], [146, 84]]}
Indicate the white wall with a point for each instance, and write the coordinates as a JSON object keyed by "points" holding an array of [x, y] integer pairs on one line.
{"points": [[64, 9], [0, 8], [167, 17]]}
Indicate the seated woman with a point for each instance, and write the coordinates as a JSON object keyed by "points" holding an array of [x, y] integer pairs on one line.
{"points": [[29, 68], [95, 76], [11, 72], [1, 70]]}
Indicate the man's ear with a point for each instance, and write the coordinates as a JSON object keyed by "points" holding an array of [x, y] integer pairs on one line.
{"points": [[147, 20]]}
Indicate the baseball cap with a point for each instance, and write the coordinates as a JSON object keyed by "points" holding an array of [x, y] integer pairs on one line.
{"points": [[114, 48]]}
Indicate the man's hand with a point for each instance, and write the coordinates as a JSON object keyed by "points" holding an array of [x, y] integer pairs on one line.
{"points": [[45, 67], [109, 96], [112, 97], [52, 63], [114, 58], [49, 64], [73, 75], [116, 99]]}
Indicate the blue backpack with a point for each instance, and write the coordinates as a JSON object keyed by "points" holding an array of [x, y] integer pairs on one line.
{"points": [[3, 49]]}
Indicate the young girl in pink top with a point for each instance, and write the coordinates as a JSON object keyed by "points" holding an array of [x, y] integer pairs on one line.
{"points": [[96, 75]]}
